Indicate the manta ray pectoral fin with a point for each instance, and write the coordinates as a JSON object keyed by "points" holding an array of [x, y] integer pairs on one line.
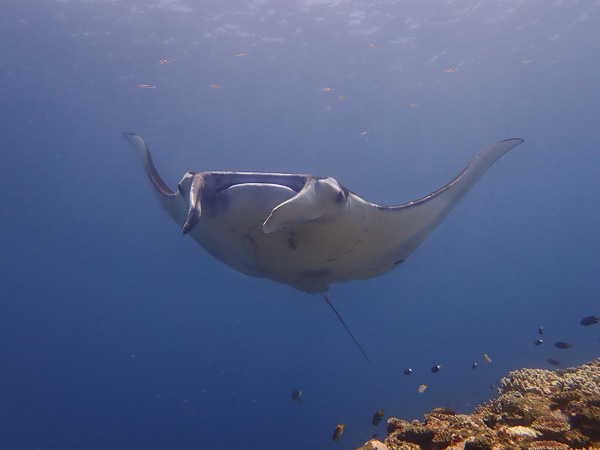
{"points": [[317, 198], [141, 148], [417, 219], [171, 201]]}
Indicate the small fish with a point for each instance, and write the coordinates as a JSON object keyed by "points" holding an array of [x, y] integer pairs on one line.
{"points": [[589, 320], [241, 54], [297, 395], [407, 371], [166, 61], [147, 86], [562, 345], [338, 432], [452, 70], [445, 411], [474, 366], [436, 368], [422, 388], [554, 362], [487, 358], [541, 330], [327, 89], [216, 86], [377, 417], [538, 342], [341, 97]]}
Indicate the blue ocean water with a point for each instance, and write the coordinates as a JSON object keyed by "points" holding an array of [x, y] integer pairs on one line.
{"points": [[118, 332]]}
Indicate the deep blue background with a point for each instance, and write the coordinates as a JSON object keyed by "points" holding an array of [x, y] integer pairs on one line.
{"points": [[94, 272]]}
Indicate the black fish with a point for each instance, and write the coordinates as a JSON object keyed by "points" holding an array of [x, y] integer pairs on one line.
{"points": [[377, 417], [541, 330], [538, 342], [554, 362], [297, 395], [589, 320], [562, 345], [407, 371], [474, 366], [436, 368]]}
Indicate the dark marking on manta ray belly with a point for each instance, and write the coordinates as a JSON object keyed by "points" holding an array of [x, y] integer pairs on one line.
{"points": [[398, 262], [319, 273]]}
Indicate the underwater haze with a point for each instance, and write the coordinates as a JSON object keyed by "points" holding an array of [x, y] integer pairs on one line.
{"points": [[119, 332]]}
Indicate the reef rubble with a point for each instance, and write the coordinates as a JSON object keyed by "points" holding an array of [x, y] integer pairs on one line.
{"points": [[536, 409]]}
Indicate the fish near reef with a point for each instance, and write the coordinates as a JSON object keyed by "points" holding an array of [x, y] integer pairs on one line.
{"points": [[297, 395], [562, 345], [554, 362], [538, 342], [444, 411], [589, 320], [407, 371], [377, 417], [338, 432], [436, 368], [422, 388]]}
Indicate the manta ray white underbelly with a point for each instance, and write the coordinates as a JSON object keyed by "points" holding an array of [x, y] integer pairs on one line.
{"points": [[303, 230]]}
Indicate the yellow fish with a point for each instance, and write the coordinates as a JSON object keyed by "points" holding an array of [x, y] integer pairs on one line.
{"points": [[339, 431], [422, 388], [487, 358]]}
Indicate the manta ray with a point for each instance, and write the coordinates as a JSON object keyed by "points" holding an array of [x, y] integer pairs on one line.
{"points": [[303, 230]]}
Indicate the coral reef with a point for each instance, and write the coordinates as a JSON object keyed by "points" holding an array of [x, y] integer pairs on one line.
{"points": [[536, 409]]}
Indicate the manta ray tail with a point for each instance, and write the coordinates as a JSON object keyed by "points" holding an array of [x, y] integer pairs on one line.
{"points": [[326, 297]]}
